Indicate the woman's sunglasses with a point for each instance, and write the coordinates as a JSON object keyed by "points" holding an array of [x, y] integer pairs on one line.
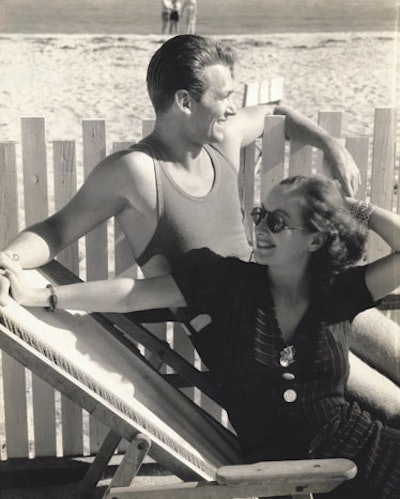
{"points": [[275, 221]]}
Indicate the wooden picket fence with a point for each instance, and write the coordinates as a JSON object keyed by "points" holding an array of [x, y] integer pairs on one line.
{"points": [[35, 420]]}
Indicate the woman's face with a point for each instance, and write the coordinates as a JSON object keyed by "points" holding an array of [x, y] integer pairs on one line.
{"points": [[291, 245]]}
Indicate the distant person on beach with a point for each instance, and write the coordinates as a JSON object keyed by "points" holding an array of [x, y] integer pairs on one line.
{"points": [[191, 15], [176, 189], [282, 337], [165, 15], [174, 17]]}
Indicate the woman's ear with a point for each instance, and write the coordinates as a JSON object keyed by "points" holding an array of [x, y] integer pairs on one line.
{"points": [[317, 241], [182, 100]]}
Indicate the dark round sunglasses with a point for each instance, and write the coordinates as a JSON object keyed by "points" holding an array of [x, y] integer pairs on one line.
{"points": [[275, 221]]}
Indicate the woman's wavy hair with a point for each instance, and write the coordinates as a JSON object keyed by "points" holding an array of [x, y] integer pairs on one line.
{"points": [[178, 65], [324, 210]]}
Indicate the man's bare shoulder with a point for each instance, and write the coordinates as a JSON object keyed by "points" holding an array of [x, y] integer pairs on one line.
{"points": [[135, 162], [122, 178], [130, 175]]}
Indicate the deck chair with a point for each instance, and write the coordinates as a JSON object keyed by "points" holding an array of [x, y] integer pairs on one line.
{"points": [[84, 356]]}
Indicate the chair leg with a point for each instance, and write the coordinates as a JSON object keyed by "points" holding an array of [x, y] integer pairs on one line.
{"points": [[100, 463], [131, 462]]}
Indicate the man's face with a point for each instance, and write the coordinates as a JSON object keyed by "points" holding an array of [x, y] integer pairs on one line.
{"points": [[215, 106]]}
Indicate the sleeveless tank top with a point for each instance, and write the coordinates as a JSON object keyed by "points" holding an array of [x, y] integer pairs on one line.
{"points": [[187, 222]]}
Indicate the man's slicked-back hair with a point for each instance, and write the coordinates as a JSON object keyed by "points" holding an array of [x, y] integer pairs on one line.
{"points": [[178, 65]]}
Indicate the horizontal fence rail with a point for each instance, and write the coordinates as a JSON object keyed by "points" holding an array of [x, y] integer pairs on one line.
{"points": [[35, 420]]}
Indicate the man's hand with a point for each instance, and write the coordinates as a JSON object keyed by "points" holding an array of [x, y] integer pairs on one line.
{"points": [[342, 166], [339, 161]]}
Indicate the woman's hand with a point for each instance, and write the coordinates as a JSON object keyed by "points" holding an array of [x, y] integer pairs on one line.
{"points": [[17, 284]]}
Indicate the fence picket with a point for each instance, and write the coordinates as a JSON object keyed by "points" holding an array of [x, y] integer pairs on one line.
{"points": [[273, 152], [94, 150], [65, 184], [8, 193], [34, 162], [15, 408], [382, 174], [359, 149], [300, 158], [13, 373], [331, 121]]}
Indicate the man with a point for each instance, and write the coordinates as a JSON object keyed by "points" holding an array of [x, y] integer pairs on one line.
{"points": [[197, 136], [165, 14]]}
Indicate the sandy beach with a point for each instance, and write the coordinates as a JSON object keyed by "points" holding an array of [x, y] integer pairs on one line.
{"points": [[67, 78]]}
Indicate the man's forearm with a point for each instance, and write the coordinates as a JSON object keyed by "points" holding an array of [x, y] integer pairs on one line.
{"points": [[338, 159], [301, 128]]}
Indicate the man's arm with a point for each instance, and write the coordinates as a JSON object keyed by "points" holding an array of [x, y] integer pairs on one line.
{"points": [[96, 200], [341, 164], [248, 125], [110, 187]]}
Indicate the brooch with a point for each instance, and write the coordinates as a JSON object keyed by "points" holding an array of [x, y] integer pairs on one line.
{"points": [[286, 356]]}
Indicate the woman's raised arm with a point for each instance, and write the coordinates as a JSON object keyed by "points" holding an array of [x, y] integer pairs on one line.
{"points": [[383, 275]]}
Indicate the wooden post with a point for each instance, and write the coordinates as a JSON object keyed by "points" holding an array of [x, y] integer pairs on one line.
{"points": [[300, 158], [359, 149], [65, 183], [8, 193], [382, 175], [332, 122], [94, 150], [273, 153], [34, 161]]}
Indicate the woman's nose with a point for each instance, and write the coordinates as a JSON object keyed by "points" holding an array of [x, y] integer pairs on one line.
{"points": [[231, 109]]}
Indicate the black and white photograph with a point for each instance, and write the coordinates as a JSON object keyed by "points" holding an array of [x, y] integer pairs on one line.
{"points": [[199, 249]]}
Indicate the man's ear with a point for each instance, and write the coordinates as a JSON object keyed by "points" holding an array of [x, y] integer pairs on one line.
{"points": [[182, 100], [317, 241]]}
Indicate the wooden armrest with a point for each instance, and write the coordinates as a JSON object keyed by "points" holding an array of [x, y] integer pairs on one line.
{"points": [[293, 470], [267, 479]]}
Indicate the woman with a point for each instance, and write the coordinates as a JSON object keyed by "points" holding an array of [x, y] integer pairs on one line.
{"points": [[191, 15], [281, 346]]}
